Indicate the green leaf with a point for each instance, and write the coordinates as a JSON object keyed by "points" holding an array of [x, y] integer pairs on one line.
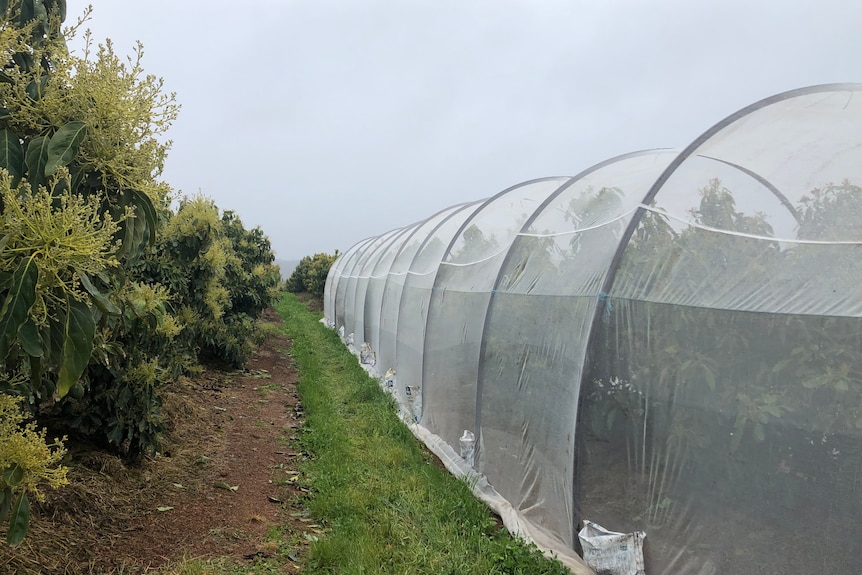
{"points": [[13, 475], [36, 88], [36, 159], [781, 365], [144, 204], [136, 232], [23, 60], [16, 307], [28, 335], [78, 332], [60, 5], [100, 299], [54, 339], [710, 378], [738, 432], [5, 503], [19, 521], [36, 373], [772, 410], [78, 175], [64, 146], [4, 77], [813, 383], [133, 237], [27, 13], [61, 186], [11, 154], [40, 13], [759, 432]]}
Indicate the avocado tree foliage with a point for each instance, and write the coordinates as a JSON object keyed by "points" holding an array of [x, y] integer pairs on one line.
{"points": [[221, 277], [310, 274], [256, 279], [106, 294], [78, 144], [715, 390]]}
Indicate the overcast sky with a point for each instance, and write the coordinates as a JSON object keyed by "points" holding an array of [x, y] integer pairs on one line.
{"points": [[325, 122]]}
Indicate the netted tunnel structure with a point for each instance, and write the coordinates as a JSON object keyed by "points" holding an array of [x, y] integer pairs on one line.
{"points": [[668, 342]]}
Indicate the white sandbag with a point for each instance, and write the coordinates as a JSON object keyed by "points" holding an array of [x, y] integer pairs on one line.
{"points": [[612, 553]]}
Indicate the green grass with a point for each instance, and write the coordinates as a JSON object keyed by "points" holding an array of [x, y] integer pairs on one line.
{"points": [[385, 506]]}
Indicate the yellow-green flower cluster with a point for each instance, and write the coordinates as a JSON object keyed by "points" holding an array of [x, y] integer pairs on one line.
{"points": [[65, 235], [22, 445], [125, 110]]}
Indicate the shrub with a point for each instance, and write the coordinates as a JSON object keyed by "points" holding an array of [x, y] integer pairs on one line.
{"points": [[253, 279], [81, 158], [310, 275], [106, 294], [220, 276], [134, 356]]}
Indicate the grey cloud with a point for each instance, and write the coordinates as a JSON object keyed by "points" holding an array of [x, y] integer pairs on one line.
{"points": [[327, 122]]}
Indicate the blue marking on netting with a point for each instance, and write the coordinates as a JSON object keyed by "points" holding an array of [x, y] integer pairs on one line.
{"points": [[609, 307]]}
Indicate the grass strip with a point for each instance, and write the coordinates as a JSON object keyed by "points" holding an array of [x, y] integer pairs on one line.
{"points": [[386, 506]]}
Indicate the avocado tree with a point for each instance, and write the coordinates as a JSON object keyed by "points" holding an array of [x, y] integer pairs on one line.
{"points": [[78, 144], [106, 293], [310, 275], [80, 158]]}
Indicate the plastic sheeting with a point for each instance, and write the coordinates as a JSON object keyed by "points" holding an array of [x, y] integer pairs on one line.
{"points": [[669, 342]]}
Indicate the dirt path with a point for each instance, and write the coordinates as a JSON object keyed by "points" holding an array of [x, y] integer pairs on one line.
{"points": [[227, 477]]}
